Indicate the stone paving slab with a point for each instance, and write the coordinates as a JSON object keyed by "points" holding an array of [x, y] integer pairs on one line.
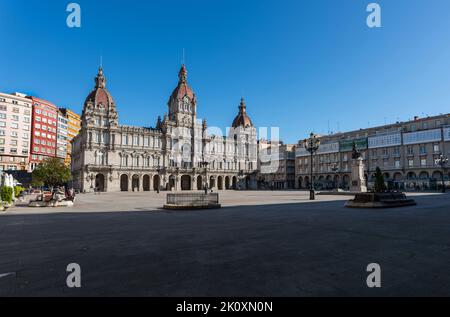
{"points": [[259, 244]]}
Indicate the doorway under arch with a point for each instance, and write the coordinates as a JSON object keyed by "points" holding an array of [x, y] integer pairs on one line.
{"points": [[300, 182], [398, 177], [135, 183], [124, 183], [156, 183], [100, 182], [307, 182], [227, 183], [146, 183], [186, 182], [346, 181], [172, 183], [199, 183], [220, 183], [336, 181]]}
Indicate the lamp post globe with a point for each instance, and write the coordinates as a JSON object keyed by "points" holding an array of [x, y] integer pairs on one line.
{"points": [[312, 146]]}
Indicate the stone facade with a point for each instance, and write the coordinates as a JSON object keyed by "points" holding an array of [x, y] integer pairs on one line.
{"points": [[43, 131], [276, 168], [15, 131], [62, 137], [406, 152], [73, 128], [110, 157]]}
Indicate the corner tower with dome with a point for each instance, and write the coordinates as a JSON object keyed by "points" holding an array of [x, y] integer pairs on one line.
{"points": [[110, 157]]}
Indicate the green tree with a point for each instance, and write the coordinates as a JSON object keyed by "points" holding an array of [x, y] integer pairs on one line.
{"points": [[51, 172], [37, 183], [379, 181]]}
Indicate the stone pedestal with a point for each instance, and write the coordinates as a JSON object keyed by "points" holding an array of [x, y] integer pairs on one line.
{"points": [[380, 200], [358, 182]]}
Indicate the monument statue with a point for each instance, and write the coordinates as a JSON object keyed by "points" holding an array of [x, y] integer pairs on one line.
{"points": [[358, 180], [355, 153]]}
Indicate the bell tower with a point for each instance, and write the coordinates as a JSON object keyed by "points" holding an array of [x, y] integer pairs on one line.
{"points": [[99, 108], [183, 102]]}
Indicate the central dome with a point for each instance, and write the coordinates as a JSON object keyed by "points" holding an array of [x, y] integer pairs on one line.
{"points": [[183, 89], [242, 119], [100, 96]]}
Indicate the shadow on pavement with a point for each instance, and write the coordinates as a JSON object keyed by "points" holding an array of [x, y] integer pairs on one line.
{"points": [[306, 249]]}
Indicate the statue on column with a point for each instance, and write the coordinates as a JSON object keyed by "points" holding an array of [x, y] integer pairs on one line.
{"points": [[355, 153], [357, 180]]}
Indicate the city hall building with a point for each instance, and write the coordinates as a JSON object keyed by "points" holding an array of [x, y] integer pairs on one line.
{"points": [[177, 154], [406, 153]]}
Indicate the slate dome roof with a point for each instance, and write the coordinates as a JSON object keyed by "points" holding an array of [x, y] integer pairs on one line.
{"points": [[100, 94], [242, 119]]}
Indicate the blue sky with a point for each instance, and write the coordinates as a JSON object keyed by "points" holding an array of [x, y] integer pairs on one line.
{"points": [[301, 65]]}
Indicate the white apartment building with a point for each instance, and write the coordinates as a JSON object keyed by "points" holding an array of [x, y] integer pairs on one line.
{"points": [[61, 138], [15, 131], [406, 153]]}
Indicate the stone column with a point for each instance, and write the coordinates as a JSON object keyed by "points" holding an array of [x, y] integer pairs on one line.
{"points": [[106, 182], [177, 183], [358, 183]]}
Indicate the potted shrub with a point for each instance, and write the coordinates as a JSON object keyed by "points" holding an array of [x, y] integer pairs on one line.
{"points": [[18, 190], [6, 194]]}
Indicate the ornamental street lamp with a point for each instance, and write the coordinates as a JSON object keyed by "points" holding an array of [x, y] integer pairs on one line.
{"points": [[92, 177], [159, 170], [312, 146], [206, 140], [442, 161]]}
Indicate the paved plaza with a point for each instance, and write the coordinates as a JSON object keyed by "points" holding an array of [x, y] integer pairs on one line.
{"points": [[259, 244]]}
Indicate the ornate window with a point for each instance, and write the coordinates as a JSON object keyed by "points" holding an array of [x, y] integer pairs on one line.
{"points": [[136, 160], [105, 137], [136, 140], [99, 158], [124, 160], [96, 137]]}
